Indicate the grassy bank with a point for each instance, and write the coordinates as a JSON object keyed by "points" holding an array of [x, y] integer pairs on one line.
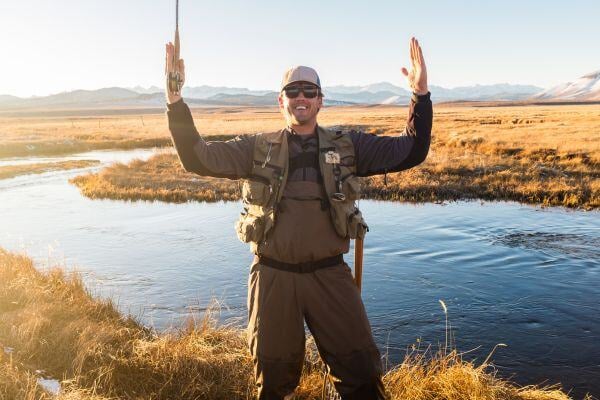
{"points": [[11, 171], [459, 166], [159, 178], [53, 323], [547, 155]]}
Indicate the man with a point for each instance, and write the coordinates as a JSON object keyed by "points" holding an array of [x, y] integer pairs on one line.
{"points": [[299, 192]]}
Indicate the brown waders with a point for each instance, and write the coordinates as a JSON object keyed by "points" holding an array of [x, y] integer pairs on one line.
{"points": [[328, 300]]}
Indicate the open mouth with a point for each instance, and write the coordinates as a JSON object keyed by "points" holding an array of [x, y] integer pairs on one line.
{"points": [[300, 108]]}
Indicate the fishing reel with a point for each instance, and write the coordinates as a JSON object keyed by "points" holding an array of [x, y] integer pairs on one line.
{"points": [[175, 82]]}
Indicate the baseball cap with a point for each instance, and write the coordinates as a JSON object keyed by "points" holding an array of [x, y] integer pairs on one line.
{"points": [[300, 74]]}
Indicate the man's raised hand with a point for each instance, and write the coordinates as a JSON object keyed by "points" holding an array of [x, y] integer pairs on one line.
{"points": [[417, 76], [172, 66]]}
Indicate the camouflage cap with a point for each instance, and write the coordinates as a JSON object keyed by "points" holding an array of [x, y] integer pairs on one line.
{"points": [[300, 74]]}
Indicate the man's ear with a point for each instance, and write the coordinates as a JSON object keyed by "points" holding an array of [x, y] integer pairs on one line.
{"points": [[280, 100]]}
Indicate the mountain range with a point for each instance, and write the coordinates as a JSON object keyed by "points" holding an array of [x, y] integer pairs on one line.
{"points": [[585, 88]]}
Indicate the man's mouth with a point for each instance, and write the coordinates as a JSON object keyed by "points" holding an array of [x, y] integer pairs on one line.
{"points": [[300, 108]]}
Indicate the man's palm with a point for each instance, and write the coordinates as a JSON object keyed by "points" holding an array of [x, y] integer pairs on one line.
{"points": [[417, 76]]}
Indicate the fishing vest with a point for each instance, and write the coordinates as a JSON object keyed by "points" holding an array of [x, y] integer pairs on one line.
{"points": [[263, 189]]}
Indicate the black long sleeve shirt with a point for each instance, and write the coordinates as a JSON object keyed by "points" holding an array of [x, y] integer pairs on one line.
{"points": [[233, 158]]}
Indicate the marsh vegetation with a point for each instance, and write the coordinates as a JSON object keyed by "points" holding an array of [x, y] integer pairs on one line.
{"points": [[546, 155], [50, 322]]}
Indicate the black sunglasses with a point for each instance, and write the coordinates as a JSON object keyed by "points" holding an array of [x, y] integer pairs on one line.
{"points": [[293, 91]]}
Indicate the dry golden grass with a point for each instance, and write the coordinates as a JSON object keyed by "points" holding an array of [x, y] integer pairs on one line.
{"points": [[547, 155], [566, 129], [159, 178], [539, 155], [18, 383], [11, 171], [53, 323], [47, 135]]}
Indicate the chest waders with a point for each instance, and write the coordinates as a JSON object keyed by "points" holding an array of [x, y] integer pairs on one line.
{"points": [[263, 190]]}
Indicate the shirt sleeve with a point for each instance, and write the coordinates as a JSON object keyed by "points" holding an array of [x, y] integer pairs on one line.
{"points": [[382, 154], [230, 159]]}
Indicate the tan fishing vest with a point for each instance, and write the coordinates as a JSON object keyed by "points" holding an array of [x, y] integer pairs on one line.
{"points": [[263, 189]]}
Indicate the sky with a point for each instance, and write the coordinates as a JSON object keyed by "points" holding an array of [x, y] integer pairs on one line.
{"points": [[61, 45]]}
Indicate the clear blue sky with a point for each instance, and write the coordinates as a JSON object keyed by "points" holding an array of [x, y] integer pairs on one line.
{"points": [[59, 45]]}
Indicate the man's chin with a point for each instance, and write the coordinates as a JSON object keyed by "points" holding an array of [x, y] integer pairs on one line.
{"points": [[301, 120]]}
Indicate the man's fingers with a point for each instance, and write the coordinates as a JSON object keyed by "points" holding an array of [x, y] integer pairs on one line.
{"points": [[421, 58], [171, 64], [169, 57], [181, 67]]}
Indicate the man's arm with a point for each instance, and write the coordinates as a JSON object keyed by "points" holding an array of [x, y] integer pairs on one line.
{"points": [[222, 159], [230, 159], [382, 154]]}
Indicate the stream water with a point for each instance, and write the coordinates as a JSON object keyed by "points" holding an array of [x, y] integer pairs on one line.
{"points": [[508, 273]]}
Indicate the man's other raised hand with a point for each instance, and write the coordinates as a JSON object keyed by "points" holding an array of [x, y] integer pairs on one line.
{"points": [[417, 76]]}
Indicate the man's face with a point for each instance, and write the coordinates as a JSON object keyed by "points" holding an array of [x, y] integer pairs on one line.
{"points": [[299, 110]]}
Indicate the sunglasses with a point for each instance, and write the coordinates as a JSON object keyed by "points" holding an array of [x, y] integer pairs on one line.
{"points": [[293, 91]]}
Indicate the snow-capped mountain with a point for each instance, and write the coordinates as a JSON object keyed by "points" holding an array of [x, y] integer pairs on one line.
{"points": [[586, 88]]}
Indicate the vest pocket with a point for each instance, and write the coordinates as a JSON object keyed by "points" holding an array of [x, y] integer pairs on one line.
{"points": [[250, 228], [348, 220], [256, 192], [351, 187]]}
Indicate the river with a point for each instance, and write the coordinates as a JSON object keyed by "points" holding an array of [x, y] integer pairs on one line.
{"points": [[509, 273]]}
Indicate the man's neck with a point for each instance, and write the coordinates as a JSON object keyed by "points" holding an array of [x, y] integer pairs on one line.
{"points": [[306, 129]]}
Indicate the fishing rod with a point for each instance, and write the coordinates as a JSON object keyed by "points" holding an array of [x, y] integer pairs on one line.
{"points": [[175, 79]]}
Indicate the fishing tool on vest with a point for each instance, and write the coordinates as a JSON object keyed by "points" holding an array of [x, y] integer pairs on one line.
{"points": [[175, 81], [331, 157]]}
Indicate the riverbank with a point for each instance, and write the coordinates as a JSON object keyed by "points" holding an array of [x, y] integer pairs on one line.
{"points": [[541, 155], [12, 171], [50, 321], [440, 178]]}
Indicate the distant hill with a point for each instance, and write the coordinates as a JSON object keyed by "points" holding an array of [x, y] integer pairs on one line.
{"points": [[497, 92], [375, 93], [5, 98], [585, 88]]}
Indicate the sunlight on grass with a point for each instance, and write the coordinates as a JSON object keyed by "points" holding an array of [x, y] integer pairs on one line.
{"points": [[53, 323]]}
